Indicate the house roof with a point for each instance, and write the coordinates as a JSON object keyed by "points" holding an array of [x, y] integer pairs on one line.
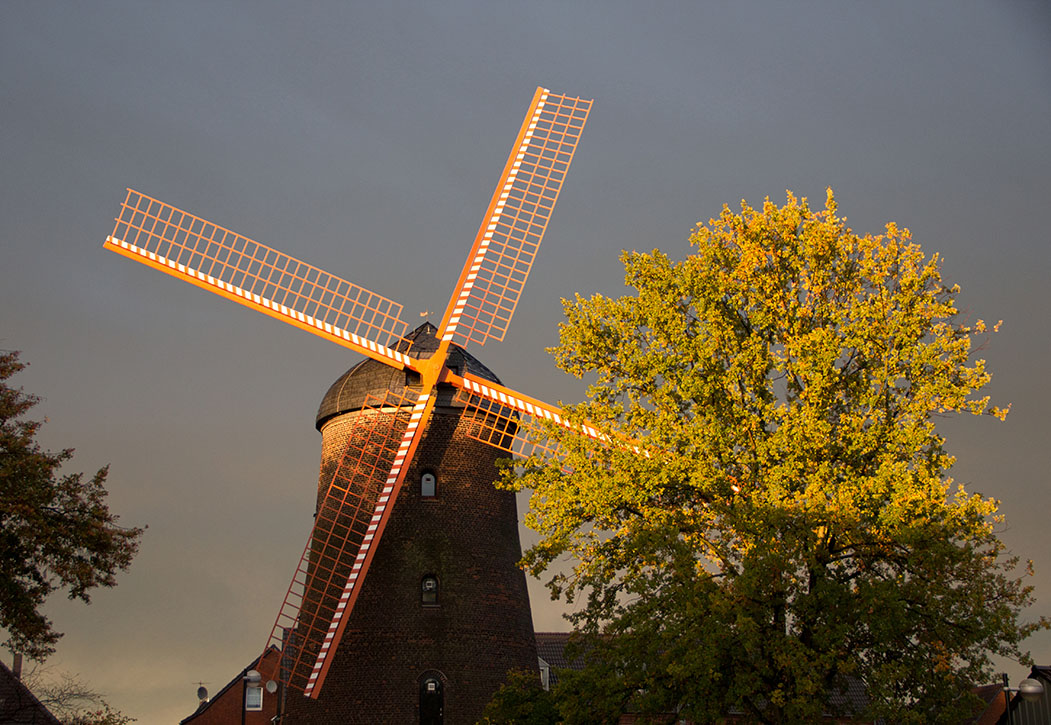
{"points": [[18, 705], [852, 699], [992, 707], [992, 710], [205, 704], [551, 647]]}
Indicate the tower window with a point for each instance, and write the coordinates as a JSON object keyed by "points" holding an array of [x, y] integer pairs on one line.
{"points": [[428, 485], [429, 590]]}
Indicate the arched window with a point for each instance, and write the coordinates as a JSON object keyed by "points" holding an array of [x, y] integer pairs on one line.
{"points": [[428, 485], [429, 590]]}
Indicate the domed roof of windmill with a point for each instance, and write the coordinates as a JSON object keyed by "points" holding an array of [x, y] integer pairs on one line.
{"points": [[371, 376]]}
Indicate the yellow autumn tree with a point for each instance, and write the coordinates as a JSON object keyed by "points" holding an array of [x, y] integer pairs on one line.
{"points": [[791, 539]]}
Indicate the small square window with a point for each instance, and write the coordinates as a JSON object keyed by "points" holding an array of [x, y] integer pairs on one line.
{"points": [[253, 698], [429, 590]]}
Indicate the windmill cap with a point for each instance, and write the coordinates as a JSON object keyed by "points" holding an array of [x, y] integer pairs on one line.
{"points": [[372, 376]]}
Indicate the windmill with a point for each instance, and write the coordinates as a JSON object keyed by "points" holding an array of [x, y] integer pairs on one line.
{"points": [[355, 508]]}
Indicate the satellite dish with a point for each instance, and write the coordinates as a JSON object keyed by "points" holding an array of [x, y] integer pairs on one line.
{"points": [[202, 693], [271, 686]]}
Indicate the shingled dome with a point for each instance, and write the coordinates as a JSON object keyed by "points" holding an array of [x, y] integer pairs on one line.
{"points": [[371, 376]]}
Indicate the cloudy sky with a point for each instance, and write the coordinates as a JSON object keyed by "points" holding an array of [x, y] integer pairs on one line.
{"points": [[367, 140]]}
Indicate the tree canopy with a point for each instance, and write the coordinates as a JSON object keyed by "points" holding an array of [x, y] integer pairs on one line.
{"points": [[521, 701], [791, 536], [56, 530]]}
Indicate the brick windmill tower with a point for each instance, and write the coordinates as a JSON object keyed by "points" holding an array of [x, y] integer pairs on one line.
{"points": [[444, 614], [406, 605]]}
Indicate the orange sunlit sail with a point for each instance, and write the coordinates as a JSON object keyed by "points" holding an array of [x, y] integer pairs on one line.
{"points": [[514, 225], [509, 420], [418, 415], [252, 274], [347, 528]]}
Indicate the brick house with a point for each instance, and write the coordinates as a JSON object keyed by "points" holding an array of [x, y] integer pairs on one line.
{"points": [[1022, 712], [237, 703], [19, 706]]}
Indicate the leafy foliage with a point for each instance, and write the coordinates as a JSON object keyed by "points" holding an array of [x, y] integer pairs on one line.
{"points": [[521, 701], [56, 531], [793, 530], [103, 716]]}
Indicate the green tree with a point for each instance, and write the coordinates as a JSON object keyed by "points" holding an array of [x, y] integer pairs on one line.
{"points": [[56, 531], [792, 529], [521, 701]]}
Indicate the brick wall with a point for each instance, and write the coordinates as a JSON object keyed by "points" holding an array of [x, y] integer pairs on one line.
{"points": [[467, 537]]}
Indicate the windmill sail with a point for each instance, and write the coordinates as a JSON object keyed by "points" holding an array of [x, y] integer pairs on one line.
{"points": [[511, 421], [252, 274], [514, 225], [349, 522]]}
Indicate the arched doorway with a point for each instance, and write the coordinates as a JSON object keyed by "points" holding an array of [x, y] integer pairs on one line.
{"points": [[432, 701]]}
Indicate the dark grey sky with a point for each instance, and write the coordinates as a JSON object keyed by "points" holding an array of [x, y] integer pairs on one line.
{"points": [[366, 140]]}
